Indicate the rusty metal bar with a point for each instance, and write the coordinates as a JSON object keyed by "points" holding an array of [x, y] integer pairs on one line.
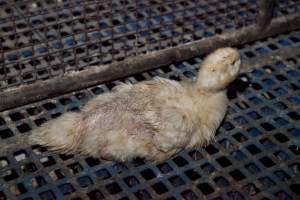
{"points": [[99, 74], [265, 11]]}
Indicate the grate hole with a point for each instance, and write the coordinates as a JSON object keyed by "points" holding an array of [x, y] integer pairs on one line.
{"points": [[267, 126], [160, 188], [176, 181], [92, 162], [110, 86], [56, 174], [283, 195], [240, 137], [272, 46], [180, 161], [175, 78], [66, 189], [295, 188], [267, 143], [124, 198], [237, 175], [33, 111], [10, 175], [29, 167], [66, 156], [224, 162], [80, 96], [138, 161], [226, 144], [295, 149], [208, 168], [95, 195], [75, 168], [166, 69], [131, 181], [97, 90], [23, 128], [49, 106], [227, 126], [65, 101], [74, 109], [38, 150], [254, 115], [281, 155], [281, 77], [18, 189], [239, 155], [40, 121], [148, 174], [2, 121], [38, 182], [205, 188], [113, 188], [47, 161], [251, 189], [16, 116], [84, 181], [2, 196], [240, 120], [195, 155], [252, 168], [295, 167], [267, 182], [221, 181], [4, 162], [266, 161], [294, 115], [164, 168], [55, 115], [103, 174], [192, 174], [142, 195], [20, 155], [267, 110], [6, 133], [120, 167], [256, 86], [281, 138], [282, 175], [139, 77], [294, 86], [211, 149], [253, 149], [280, 121], [249, 54], [189, 195]]}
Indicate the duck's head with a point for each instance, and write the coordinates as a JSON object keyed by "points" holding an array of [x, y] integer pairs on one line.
{"points": [[219, 69]]}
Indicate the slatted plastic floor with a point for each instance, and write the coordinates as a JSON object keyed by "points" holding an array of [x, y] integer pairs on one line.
{"points": [[256, 153]]}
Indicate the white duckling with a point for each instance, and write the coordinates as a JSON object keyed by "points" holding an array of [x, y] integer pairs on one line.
{"points": [[152, 119]]}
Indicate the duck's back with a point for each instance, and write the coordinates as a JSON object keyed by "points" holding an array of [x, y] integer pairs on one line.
{"points": [[143, 119]]}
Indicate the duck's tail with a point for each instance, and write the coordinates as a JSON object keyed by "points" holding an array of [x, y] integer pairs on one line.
{"points": [[59, 134]]}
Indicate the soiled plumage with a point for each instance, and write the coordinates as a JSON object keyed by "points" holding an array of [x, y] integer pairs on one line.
{"points": [[152, 119]]}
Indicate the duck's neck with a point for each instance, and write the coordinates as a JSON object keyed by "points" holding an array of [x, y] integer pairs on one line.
{"points": [[208, 87]]}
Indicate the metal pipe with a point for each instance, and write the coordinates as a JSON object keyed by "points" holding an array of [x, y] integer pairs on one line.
{"points": [[265, 12], [25, 94]]}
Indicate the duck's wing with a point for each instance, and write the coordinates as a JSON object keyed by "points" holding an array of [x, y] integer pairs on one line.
{"points": [[143, 111]]}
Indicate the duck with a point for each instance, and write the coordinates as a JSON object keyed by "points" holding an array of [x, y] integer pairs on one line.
{"points": [[154, 119]]}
